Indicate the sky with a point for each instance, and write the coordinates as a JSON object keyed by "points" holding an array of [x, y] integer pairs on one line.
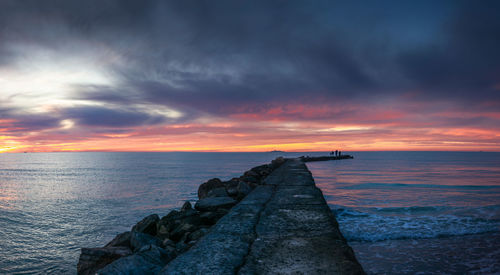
{"points": [[113, 75]]}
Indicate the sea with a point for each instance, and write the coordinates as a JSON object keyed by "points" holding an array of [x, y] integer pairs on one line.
{"points": [[401, 212]]}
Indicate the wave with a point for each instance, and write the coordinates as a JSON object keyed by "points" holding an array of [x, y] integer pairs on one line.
{"points": [[376, 185], [379, 224]]}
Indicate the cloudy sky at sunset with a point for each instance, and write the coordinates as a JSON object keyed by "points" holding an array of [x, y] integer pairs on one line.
{"points": [[249, 75]]}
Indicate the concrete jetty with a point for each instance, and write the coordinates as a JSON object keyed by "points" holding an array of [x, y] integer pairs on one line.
{"points": [[324, 158], [271, 220], [282, 227]]}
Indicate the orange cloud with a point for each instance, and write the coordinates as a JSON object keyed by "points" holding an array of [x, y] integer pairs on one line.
{"points": [[290, 127]]}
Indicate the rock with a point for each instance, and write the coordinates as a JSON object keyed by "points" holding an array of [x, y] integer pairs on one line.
{"points": [[250, 179], [170, 215], [171, 225], [181, 230], [172, 220], [210, 204], [171, 250], [122, 239], [207, 186], [277, 162], [185, 214], [217, 192], [209, 218], [183, 239], [232, 191], [147, 225], [163, 231], [262, 170], [222, 211], [138, 240], [181, 245], [243, 190], [168, 242], [186, 206], [231, 187], [251, 173], [149, 260], [232, 182], [188, 224], [194, 236], [92, 259]]}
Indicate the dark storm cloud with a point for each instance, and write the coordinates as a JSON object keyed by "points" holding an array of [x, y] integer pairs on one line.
{"points": [[35, 122], [467, 62], [229, 57], [24, 123], [103, 93], [15, 121], [106, 117]]}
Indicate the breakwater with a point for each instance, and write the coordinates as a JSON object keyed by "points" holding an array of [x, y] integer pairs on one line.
{"points": [[324, 158], [272, 219]]}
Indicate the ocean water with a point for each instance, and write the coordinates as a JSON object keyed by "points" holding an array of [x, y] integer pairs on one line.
{"points": [[402, 212], [52, 204], [417, 212]]}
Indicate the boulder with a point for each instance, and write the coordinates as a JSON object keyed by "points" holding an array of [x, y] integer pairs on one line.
{"points": [[251, 173], [217, 192], [231, 187], [194, 236], [232, 191], [243, 190], [178, 232], [122, 239], [222, 211], [186, 225], [138, 240], [147, 225], [171, 250], [231, 183], [262, 170], [209, 217], [181, 246], [207, 186], [172, 220], [149, 260], [163, 231], [250, 179], [168, 242], [170, 215], [277, 162], [92, 259], [186, 206], [210, 204]]}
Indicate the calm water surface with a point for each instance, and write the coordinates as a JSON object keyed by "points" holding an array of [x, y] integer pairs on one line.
{"points": [[402, 212], [51, 204], [417, 212]]}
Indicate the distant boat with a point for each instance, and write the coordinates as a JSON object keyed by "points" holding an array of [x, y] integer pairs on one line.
{"points": [[276, 151]]}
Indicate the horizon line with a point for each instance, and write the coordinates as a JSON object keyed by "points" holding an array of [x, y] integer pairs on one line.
{"points": [[272, 151]]}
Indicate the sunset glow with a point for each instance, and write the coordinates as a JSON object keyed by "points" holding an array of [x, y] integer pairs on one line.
{"points": [[163, 80]]}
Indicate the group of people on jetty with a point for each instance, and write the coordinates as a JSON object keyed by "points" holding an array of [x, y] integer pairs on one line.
{"points": [[336, 153]]}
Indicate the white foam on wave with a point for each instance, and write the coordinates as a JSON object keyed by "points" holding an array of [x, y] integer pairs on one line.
{"points": [[415, 222]]}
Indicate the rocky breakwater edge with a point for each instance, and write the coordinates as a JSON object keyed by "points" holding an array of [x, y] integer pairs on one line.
{"points": [[153, 242]]}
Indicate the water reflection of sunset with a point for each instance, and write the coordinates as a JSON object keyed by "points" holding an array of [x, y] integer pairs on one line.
{"points": [[373, 181]]}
